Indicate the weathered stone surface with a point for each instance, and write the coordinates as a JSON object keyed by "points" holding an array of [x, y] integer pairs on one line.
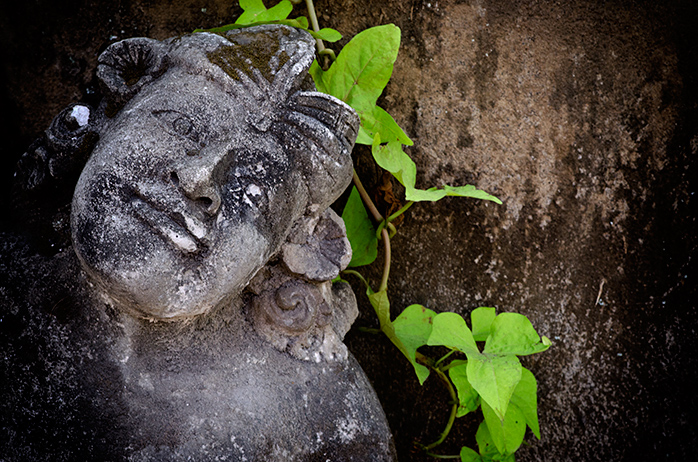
{"points": [[580, 115], [209, 154], [96, 384]]}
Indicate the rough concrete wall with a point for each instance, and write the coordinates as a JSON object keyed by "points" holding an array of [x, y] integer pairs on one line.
{"points": [[581, 116]]}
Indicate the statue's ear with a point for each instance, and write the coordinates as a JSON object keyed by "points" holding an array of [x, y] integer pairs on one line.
{"points": [[317, 248], [126, 66]]}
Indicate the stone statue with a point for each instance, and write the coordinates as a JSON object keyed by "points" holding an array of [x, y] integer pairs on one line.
{"points": [[192, 317]]}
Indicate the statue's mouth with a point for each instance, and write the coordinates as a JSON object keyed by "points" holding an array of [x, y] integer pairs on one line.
{"points": [[182, 231]]}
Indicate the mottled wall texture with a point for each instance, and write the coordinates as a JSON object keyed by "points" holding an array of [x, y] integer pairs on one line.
{"points": [[582, 116]]}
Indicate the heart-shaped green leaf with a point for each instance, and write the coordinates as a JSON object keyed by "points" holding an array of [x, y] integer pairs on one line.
{"points": [[360, 231], [413, 328], [513, 334], [364, 66], [494, 378]]}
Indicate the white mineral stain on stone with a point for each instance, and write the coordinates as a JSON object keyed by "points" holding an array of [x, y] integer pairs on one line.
{"points": [[183, 242], [81, 114], [253, 190], [195, 227], [347, 429]]}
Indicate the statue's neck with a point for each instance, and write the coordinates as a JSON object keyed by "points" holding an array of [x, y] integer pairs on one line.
{"points": [[224, 328]]}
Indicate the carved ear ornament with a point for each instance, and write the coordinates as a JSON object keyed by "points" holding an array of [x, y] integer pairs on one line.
{"points": [[317, 248], [126, 66], [321, 130], [336, 115]]}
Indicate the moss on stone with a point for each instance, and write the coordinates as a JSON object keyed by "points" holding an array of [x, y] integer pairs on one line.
{"points": [[249, 52]]}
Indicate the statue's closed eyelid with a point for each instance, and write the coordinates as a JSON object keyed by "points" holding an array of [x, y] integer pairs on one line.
{"points": [[179, 124]]}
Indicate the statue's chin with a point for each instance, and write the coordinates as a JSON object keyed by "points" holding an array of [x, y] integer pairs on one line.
{"points": [[167, 300]]}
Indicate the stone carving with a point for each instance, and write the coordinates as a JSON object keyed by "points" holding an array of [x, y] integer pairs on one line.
{"points": [[304, 318], [202, 228], [204, 181]]}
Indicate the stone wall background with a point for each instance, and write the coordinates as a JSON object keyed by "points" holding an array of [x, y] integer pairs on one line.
{"points": [[582, 116]]}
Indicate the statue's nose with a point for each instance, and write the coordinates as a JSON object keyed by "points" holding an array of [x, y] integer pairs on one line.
{"points": [[198, 178]]}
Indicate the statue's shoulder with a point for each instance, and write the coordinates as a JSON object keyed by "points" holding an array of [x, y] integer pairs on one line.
{"points": [[49, 410]]}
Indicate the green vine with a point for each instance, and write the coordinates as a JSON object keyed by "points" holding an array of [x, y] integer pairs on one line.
{"points": [[490, 378]]}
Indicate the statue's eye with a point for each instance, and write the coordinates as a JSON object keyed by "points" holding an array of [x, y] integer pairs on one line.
{"points": [[183, 126], [176, 123]]}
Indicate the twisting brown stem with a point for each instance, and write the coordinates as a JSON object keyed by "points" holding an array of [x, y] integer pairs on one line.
{"points": [[384, 232], [367, 199], [314, 23], [386, 263]]}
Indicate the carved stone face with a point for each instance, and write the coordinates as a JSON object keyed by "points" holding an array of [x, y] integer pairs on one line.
{"points": [[184, 197]]}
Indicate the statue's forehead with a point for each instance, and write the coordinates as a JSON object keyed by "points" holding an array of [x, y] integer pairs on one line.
{"points": [[256, 62], [188, 56], [180, 87]]}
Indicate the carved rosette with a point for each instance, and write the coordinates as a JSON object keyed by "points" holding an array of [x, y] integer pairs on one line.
{"points": [[296, 318], [295, 307]]}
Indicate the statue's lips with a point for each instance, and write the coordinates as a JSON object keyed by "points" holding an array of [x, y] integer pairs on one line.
{"points": [[186, 238]]}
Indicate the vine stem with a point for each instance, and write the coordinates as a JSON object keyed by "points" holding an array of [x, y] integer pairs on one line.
{"points": [[386, 265], [384, 232], [369, 330], [442, 456], [367, 199], [401, 211], [443, 358], [451, 417], [358, 275], [314, 23]]}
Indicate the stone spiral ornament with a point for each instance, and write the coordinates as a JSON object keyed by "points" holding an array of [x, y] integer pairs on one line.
{"points": [[298, 307], [296, 317]]}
